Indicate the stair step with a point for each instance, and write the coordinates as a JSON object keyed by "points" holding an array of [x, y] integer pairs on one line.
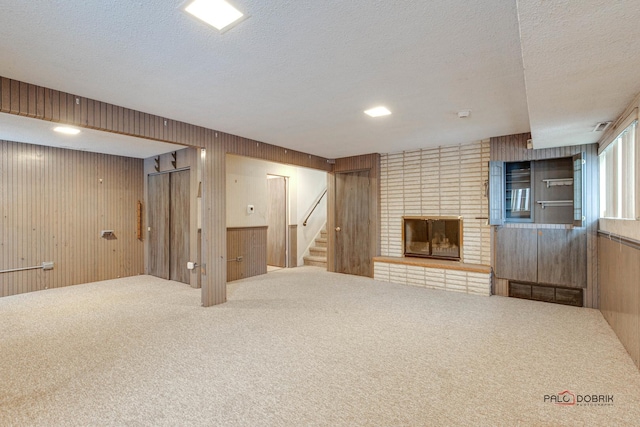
{"points": [[321, 242], [323, 234], [318, 251], [315, 261]]}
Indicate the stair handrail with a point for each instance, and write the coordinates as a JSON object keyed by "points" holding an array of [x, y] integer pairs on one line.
{"points": [[304, 224]]}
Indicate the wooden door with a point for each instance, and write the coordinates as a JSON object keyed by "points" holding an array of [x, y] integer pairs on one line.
{"points": [[276, 221], [352, 242], [158, 213], [179, 226]]}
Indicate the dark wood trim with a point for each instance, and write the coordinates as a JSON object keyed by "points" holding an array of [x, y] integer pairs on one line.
{"points": [[627, 241]]}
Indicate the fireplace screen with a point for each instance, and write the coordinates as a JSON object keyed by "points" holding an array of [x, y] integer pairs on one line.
{"points": [[432, 237]]}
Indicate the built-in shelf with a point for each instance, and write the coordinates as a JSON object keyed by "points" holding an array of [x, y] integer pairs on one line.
{"points": [[546, 203], [558, 181]]}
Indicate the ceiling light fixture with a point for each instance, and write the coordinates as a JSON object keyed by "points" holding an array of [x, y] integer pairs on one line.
{"points": [[66, 130], [217, 13], [464, 114], [378, 111]]}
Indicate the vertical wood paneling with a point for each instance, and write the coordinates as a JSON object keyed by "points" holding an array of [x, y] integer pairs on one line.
{"points": [[214, 232], [618, 272], [250, 243], [54, 207]]}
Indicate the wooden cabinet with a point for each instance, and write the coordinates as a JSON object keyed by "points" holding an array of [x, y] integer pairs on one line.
{"points": [[541, 191], [562, 257], [516, 254], [541, 255]]}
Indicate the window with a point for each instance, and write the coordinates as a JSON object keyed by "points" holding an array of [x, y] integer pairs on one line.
{"points": [[617, 176]]}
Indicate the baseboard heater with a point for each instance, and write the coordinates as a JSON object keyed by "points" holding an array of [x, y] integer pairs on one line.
{"points": [[546, 293]]}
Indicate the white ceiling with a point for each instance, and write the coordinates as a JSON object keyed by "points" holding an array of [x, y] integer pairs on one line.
{"points": [[300, 73], [582, 66]]}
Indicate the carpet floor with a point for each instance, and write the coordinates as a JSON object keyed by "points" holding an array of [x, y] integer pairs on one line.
{"points": [[303, 347]]}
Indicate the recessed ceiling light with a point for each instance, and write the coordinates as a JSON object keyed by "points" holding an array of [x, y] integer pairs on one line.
{"points": [[217, 13], [67, 130], [378, 111]]}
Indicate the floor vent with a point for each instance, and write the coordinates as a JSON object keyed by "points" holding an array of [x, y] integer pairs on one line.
{"points": [[546, 293]]}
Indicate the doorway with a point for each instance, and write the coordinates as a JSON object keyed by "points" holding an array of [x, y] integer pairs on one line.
{"points": [[276, 221], [169, 225], [352, 220]]}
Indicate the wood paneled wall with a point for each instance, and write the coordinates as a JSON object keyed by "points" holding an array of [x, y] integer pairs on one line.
{"points": [[250, 243], [54, 204], [370, 162], [618, 272], [47, 104], [514, 148]]}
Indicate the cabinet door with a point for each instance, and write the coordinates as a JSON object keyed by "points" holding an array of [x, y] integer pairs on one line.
{"points": [[578, 190], [562, 257], [496, 193], [516, 255]]}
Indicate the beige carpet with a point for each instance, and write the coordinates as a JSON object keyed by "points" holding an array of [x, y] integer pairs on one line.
{"points": [[304, 347]]}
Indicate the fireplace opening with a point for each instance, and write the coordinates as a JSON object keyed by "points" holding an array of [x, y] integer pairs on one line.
{"points": [[432, 237]]}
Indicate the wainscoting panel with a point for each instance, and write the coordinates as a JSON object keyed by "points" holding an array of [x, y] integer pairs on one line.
{"points": [[618, 273], [246, 252], [54, 204]]}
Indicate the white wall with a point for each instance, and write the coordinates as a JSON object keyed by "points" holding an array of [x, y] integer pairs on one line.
{"points": [[247, 185]]}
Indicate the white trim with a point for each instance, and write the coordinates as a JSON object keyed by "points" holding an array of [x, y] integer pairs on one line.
{"points": [[616, 130]]}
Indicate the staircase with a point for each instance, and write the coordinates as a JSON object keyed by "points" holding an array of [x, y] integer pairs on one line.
{"points": [[318, 252]]}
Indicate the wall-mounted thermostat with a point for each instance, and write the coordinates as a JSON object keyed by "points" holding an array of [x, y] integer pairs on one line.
{"points": [[250, 209]]}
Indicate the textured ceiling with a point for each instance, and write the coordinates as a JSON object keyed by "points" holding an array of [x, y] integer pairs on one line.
{"points": [[582, 66], [300, 73]]}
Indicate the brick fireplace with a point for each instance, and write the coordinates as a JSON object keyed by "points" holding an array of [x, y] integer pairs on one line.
{"points": [[437, 237]]}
